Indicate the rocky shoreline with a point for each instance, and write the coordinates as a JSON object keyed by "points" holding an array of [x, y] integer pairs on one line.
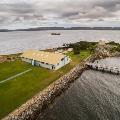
{"points": [[33, 107]]}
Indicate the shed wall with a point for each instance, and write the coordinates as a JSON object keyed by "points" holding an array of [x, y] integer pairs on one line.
{"points": [[62, 63]]}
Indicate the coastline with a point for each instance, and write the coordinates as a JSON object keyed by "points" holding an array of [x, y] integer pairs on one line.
{"points": [[39, 102]]}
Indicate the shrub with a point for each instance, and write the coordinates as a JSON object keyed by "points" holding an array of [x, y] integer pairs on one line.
{"points": [[76, 48]]}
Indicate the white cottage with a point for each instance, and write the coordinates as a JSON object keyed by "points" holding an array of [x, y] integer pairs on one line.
{"points": [[48, 60]]}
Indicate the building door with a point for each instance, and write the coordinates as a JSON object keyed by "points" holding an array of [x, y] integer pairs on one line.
{"points": [[33, 62], [53, 67], [63, 61]]}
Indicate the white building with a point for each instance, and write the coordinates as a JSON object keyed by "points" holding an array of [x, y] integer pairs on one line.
{"points": [[48, 60]]}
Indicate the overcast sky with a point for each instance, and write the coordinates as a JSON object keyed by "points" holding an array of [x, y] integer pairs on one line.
{"points": [[32, 13]]}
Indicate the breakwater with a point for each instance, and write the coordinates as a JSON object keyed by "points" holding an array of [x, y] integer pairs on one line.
{"points": [[103, 68], [93, 96], [31, 109]]}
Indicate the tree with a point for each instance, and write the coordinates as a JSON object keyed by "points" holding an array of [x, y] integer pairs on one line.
{"points": [[118, 48], [76, 48]]}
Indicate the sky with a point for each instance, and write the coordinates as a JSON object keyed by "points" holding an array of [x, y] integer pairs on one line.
{"points": [[17, 14]]}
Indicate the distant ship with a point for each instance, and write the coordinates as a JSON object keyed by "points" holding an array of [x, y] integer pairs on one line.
{"points": [[55, 33]]}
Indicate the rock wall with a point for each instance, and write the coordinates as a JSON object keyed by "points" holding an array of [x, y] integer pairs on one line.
{"points": [[31, 109]]}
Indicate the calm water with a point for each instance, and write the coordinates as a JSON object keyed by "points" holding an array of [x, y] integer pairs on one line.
{"points": [[94, 96], [13, 42]]}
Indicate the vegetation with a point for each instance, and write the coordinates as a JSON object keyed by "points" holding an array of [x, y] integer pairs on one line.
{"points": [[118, 48], [82, 45], [17, 91], [76, 48], [113, 43], [115, 47], [79, 57]]}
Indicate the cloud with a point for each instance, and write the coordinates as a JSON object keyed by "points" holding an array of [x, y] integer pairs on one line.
{"points": [[64, 12]]}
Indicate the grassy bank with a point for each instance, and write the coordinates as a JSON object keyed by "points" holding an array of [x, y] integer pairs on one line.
{"points": [[18, 90]]}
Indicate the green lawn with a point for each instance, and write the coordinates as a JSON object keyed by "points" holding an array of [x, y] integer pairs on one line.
{"points": [[79, 57], [12, 68], [17, 91]]}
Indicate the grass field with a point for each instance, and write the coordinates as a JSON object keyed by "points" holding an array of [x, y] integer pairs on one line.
{"points": [[17, 91]]}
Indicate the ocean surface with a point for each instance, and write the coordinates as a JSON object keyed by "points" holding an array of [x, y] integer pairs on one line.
{"points": [[94, 96], [14, 42]]}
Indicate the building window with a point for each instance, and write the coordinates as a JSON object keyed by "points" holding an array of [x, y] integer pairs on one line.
{"points": [[62, 59], [53, 67]]}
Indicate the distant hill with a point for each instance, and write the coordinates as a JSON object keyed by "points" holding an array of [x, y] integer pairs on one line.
{"points": [[62, 28]]}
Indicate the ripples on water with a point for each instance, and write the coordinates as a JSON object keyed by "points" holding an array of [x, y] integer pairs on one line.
{"points": [[12, 42], [94, 96]]}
